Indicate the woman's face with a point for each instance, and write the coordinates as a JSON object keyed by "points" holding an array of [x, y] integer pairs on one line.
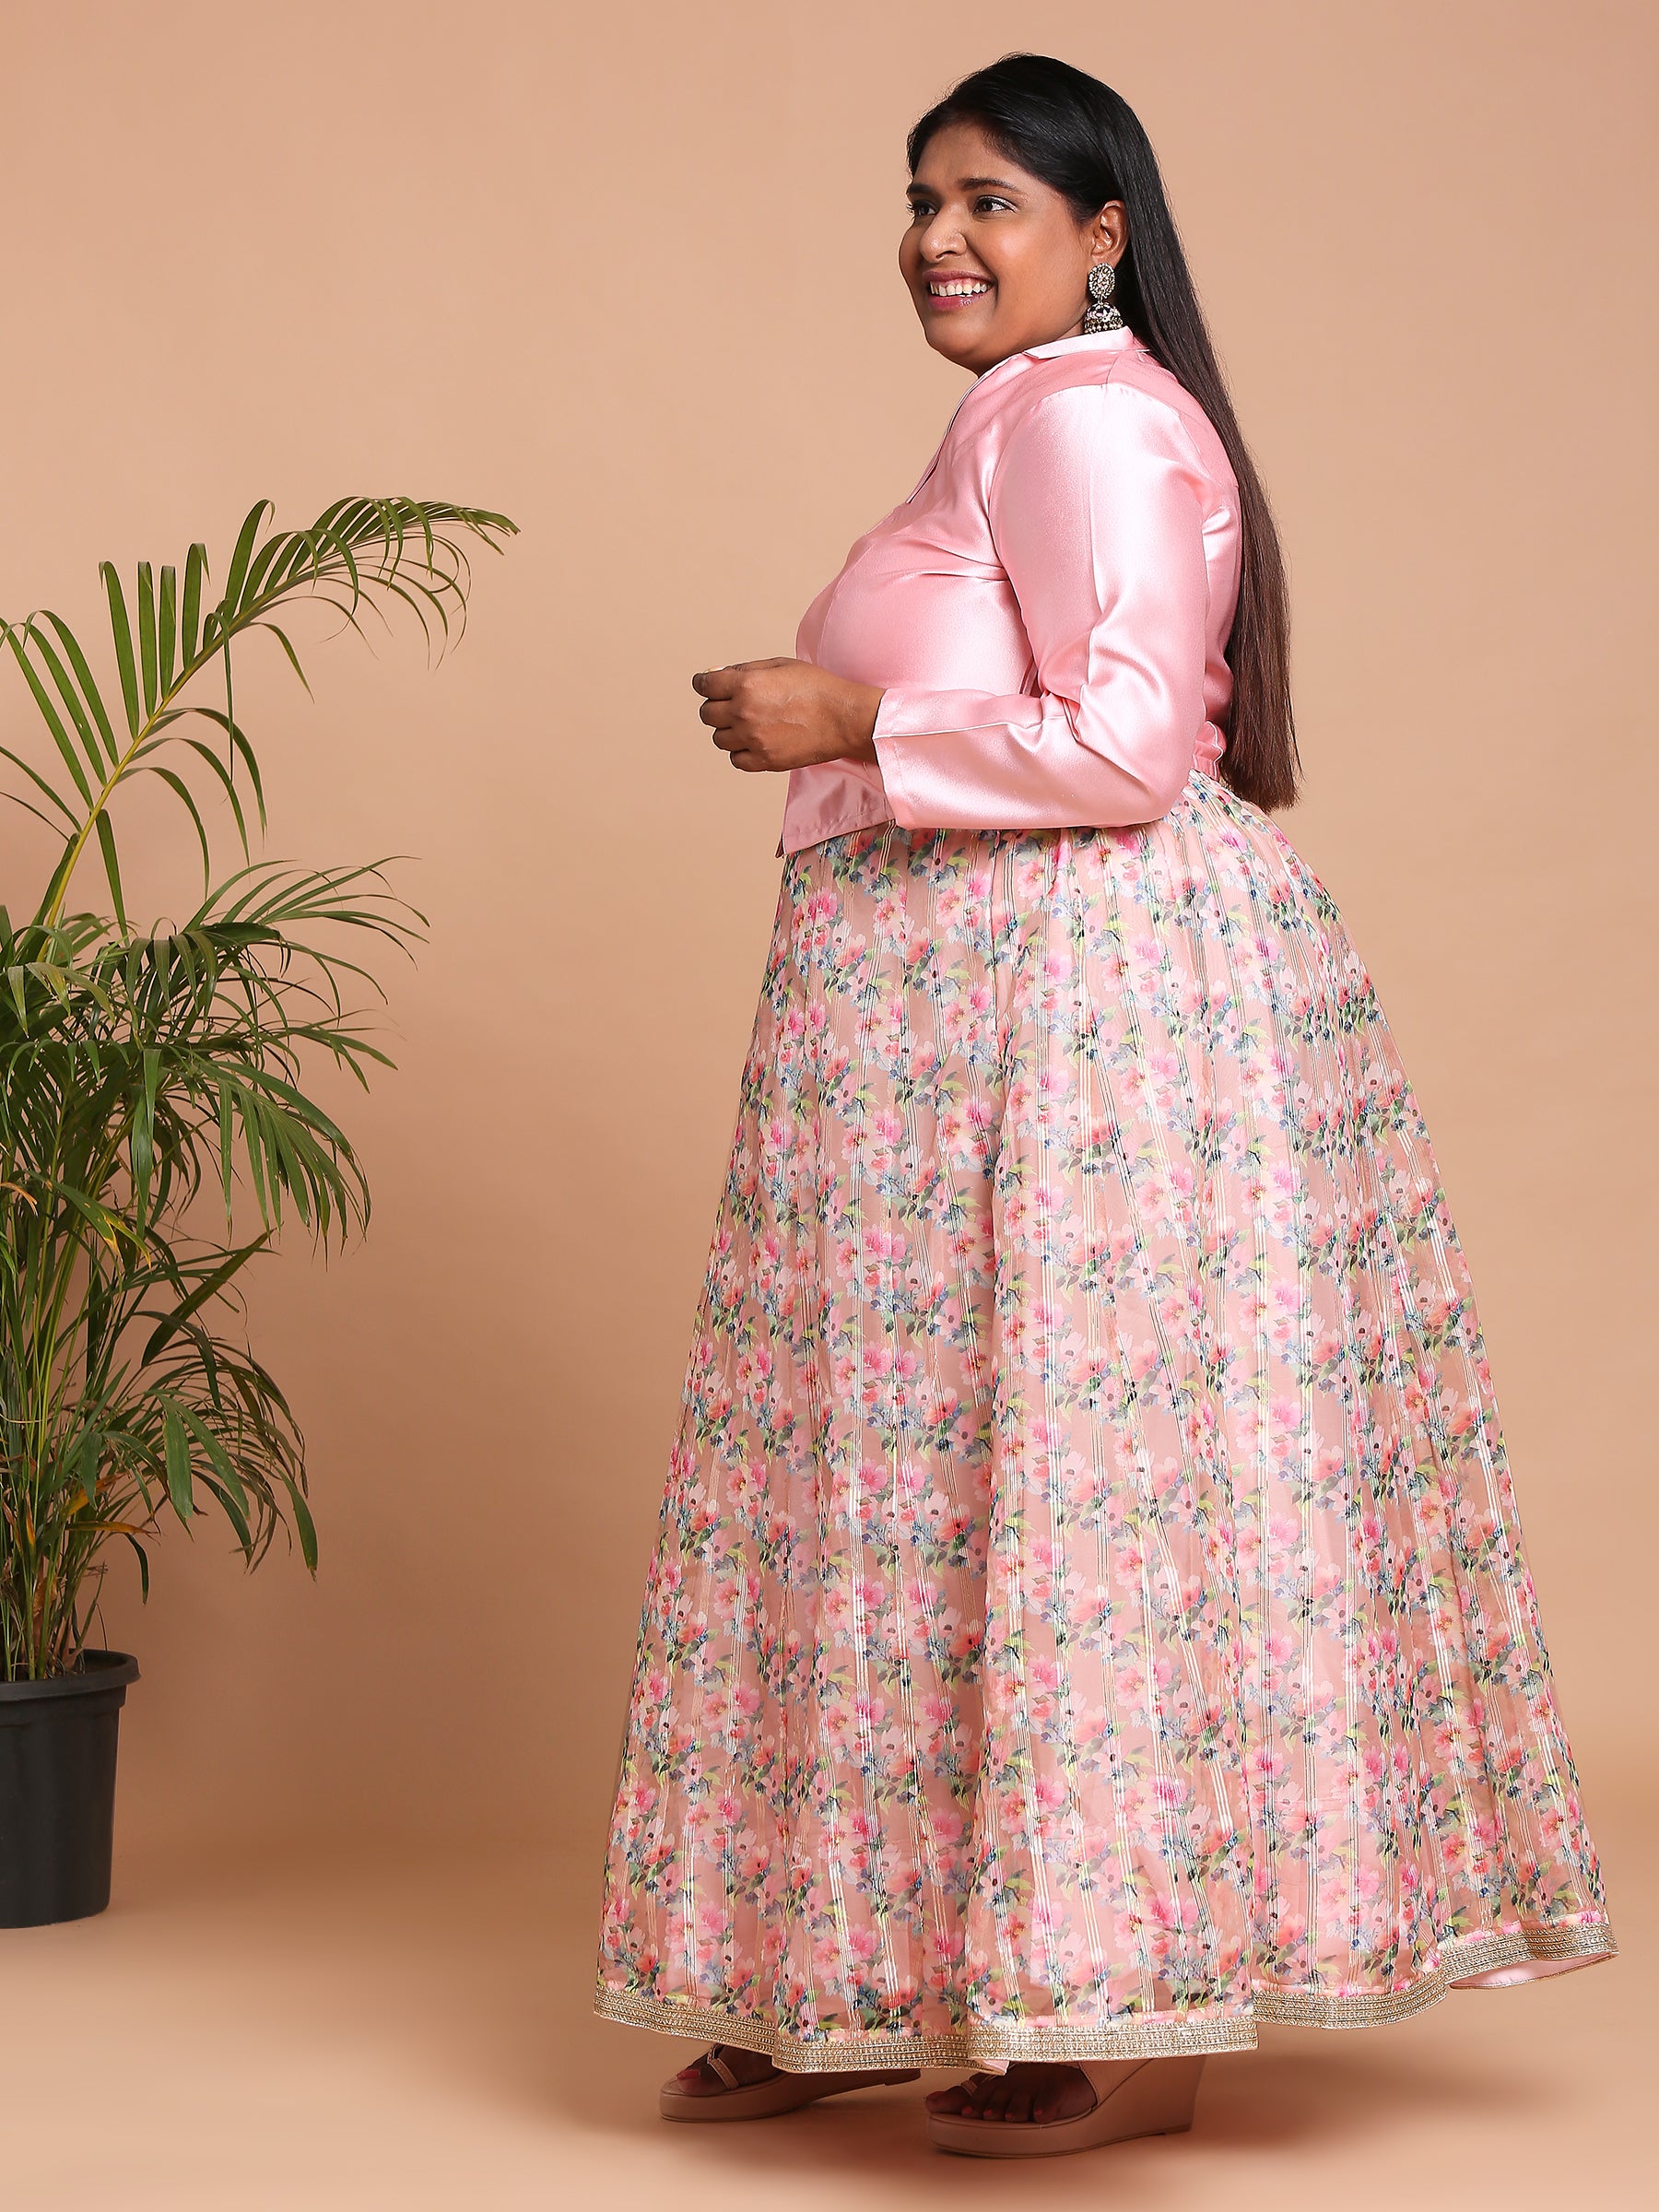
{"points": [[996, 259]]}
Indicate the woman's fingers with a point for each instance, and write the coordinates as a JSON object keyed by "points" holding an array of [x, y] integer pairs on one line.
{"points": [[732, 733], [737, 743], [718, 683], [766, 715], [720, 711]]}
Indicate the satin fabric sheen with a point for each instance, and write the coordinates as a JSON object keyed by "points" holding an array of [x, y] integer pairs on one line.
{"points": [[1047, 613]]}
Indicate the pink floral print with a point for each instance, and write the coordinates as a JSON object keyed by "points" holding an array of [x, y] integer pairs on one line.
{"points": [[1089, 1615]]}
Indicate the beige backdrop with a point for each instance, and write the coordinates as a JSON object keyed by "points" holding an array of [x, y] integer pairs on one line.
{"points": [[627, 274]]}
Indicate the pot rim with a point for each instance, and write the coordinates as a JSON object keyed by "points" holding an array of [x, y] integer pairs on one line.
{"points": [[98, 1671]]}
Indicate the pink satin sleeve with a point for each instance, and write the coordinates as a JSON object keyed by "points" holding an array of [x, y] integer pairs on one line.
{"points": [[1097, 511]]}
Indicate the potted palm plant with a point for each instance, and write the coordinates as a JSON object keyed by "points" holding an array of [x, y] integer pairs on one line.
{"points": [[156, 1130]]}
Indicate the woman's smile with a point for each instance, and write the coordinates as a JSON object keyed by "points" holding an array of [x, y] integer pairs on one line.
{"points": [[948, 291], [1028, 280]]}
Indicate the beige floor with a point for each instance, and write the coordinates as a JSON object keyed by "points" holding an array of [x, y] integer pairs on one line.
{"points": [[345, 2034]]}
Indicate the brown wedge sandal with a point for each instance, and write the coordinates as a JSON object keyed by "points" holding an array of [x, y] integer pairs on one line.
{"points": [[1156, 2099], [760, 2099]]}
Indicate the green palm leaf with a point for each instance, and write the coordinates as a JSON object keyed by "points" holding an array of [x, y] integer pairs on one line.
{"points": [[142, 1070], [360, 554]]}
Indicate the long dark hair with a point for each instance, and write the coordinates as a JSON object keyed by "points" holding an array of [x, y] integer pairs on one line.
{"points": [[1085, 141]]}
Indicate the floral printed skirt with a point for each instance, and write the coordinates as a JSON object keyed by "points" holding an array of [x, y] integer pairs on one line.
{"points": [[1089, 1615]]}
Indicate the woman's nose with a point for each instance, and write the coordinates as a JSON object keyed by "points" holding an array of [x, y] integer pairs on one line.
{"points": [[942, 236]]}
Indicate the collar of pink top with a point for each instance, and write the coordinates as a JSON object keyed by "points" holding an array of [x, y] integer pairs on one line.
{"points": [[1097, 341], [1108, 341]]}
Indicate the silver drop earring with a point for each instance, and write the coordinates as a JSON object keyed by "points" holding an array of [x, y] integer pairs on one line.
{"points": [[1102, 315]]}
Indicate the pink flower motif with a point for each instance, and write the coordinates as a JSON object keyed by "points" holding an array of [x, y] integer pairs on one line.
{"points": [[1082, 1429]]}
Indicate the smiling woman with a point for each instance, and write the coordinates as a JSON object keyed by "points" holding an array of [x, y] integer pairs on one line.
{"points": [[996, 259], [1089, 1615]]}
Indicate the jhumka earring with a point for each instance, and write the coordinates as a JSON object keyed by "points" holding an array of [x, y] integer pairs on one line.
{"points": [[1102, 315]]}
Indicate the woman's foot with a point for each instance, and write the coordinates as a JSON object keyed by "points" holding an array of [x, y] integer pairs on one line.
{"points": [[1026, 2091], [1041, 2111], [746, 2068], [728, 2083]]}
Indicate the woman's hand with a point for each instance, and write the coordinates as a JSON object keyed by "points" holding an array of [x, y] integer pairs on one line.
{"points": [[782, 714]]}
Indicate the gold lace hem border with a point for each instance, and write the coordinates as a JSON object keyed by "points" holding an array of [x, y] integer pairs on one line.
{"points": [[1185, 2034]]}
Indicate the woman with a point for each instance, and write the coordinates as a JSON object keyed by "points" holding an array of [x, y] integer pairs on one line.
{"points": [[1089, 1615]]}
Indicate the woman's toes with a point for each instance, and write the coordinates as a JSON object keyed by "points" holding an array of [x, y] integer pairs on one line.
{"points": [[1019, 2094], [1026, 2093], [699, 2079], [969, 2095], [1048, 2101]]}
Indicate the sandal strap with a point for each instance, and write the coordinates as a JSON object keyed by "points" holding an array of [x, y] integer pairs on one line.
{"points": [[718, 2066], [1104, 2077]]}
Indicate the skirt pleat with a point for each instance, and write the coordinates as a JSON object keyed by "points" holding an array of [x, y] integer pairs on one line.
{"points": [[1089, 1614]]}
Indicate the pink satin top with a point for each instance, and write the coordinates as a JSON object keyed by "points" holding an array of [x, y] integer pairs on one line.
{"points": [[1048, 612]]}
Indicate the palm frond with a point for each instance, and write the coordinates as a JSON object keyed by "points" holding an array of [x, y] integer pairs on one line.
{"points": [[359, 554], [142, 1070]]}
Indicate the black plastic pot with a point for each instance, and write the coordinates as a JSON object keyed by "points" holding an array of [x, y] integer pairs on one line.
{"points": [[57, 1790]]}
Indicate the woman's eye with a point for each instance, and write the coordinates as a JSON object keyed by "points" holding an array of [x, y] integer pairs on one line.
{"points": [[987, 204]]}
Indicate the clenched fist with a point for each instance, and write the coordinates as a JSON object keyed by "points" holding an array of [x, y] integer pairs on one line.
{"points": [[783, 715]]}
